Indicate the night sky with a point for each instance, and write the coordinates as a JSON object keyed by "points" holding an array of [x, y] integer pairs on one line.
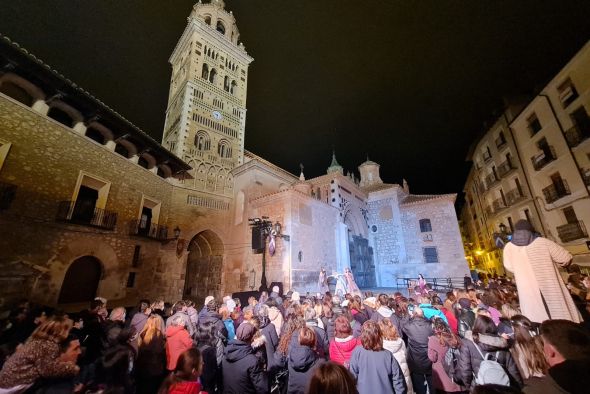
{"points": [[410, 83]]}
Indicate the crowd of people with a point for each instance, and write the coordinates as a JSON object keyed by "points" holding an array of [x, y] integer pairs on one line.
{"points": [[469, 340]]}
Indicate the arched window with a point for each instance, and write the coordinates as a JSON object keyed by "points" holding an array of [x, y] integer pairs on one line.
{"points": [[60, 116], [208, 20], [202, 140], [212, 76], [425, 226], [226, 83], [224, 149], [95, 135], [205, 73], [220, 27], [233, 89], [121, 150], [143, 162]]}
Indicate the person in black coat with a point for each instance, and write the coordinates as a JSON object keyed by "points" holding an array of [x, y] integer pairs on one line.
{"points": [[302, 361], [486, 341], [465, 317], [322, 342], [417, 329], [267, 328], [386, 311], [242, 371], [213, 317]]}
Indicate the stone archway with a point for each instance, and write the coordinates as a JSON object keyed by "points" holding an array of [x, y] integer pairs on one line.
{"points": [[361, 254], [81, 281], [203, 266]]}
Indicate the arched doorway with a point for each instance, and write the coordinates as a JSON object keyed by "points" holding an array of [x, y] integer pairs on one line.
{"points": [[203, 267], [81, 281]]}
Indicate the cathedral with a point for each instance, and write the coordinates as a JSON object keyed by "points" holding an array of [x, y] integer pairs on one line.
{"points": [[92, 206]]}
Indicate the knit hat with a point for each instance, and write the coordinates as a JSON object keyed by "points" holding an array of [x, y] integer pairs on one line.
{"points": [[245, 332], [523, 224], [208, 298], [465, 303]]}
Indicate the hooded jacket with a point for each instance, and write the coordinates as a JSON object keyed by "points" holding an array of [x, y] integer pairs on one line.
{"points": [[470, 359], [242, 371], [177, 341], [302, 363], [322, 343], [376, 372], [418, 329], [215, 319], [186, 387], [398, 349], [341, 349]]}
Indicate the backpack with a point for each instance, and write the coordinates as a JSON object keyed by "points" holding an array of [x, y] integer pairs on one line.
{"points": [[449, 363], [491, 371]]}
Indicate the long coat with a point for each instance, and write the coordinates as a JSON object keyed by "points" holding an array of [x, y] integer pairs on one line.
{"points": [[377, 372], [538, 282]]}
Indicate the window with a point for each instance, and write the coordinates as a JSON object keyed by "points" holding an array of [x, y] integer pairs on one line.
{"points": [[136, 256], [205, 73], [131, 280], [233, 87], [224, 149], [567, 93], [430, 255], [220, 27], [149, 216], [213, 76], [425, 225], [208, 20], [202, 141], [226, 83], [533, 124]]}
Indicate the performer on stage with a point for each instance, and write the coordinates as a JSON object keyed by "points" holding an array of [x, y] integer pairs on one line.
{"points": [[323, 282], [422, 284], [351, 284]]}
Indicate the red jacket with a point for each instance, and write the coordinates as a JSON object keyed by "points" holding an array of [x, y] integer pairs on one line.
{"points": [[177, 341], [340, 352], [451, 319], [186, 388]]}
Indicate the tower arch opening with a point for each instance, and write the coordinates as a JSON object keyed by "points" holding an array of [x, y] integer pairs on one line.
{"points": [[81, 280], [203, 266]]}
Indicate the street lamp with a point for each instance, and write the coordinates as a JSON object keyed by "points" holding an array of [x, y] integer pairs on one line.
{"points": [[266, 229]]}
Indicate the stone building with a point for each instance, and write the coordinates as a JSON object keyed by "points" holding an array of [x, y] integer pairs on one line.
{"points": [[90, 205], [544, 144]]}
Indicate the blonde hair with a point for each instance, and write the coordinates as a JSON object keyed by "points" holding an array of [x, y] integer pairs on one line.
{"points": [[55, 329], [224, 312], [508, 311], [154, 328], [388, 330]]}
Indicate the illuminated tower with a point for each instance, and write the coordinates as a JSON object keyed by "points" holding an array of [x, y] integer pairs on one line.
{"points": [[206, 113]]}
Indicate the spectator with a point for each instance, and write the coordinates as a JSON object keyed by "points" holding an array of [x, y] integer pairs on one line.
{"points": [[242, 371], [449, 315], [465, 317], [192, 313], [211, 350], [267, 328], [177, 340], [566, 346], [418, 329], [185, 378], [115, 367], [227, 322], [332, 378], [385, 312], [180, 309], [140, 318], [112, 327], [375, 368], [394, 343], [541, 290], [150, 366], [430, 311], [467, 281], [439, 344], [203, 311], [275, 315], [303, 360], [212, 316], [486, 341], [343, 344], [323, 344]]}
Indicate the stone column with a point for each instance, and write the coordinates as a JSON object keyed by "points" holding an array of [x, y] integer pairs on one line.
{"points": [[41, 107], [80, 128], [134, 159], [111, 145]]}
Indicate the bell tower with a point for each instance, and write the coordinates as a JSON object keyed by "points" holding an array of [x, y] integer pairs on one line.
{"points": [[206, 112]]}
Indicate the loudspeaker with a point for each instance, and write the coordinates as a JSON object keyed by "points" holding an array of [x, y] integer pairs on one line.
{"points": [[257, 239]]}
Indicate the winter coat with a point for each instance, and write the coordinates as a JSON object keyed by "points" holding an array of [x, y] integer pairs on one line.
{"points": [[440, 379], [231, 330], [110, 332], [398, 349], [193, 315], [465, 319], [341, 349], [177, 341], [185, 387], [385, 313], [36, 359], [322, 343], [470, 359], [151, 358], [302, 363], [418, 330], [430, 312], [113, 368], [270, 333], [376, 372], [187, 322], [541, 291], [566, 377], [451, 320], [242, 371], [276, 318], [215, 319], [211, 371]]}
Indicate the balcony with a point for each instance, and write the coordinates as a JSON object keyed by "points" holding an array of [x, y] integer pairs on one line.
{"points": [[491, 180], [84, 214], [572, 231], [575, 135], [152, 231], [487, 156], [515, 195], [556, 190], [542, 159], [489, 210], [500, 142], [7, 192], [481, 187], [498, 205], [505, 168], [586, 176]]}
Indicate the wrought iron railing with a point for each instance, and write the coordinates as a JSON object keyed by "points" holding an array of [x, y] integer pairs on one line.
{"points": [[7, 193], [572, 231], [500, 142], [491, 180], [487, 156], [542, 159], [80, 212], [148, 230], [576, 134], [514, 195], [556, 190], [505, 168], [498, 204]]}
